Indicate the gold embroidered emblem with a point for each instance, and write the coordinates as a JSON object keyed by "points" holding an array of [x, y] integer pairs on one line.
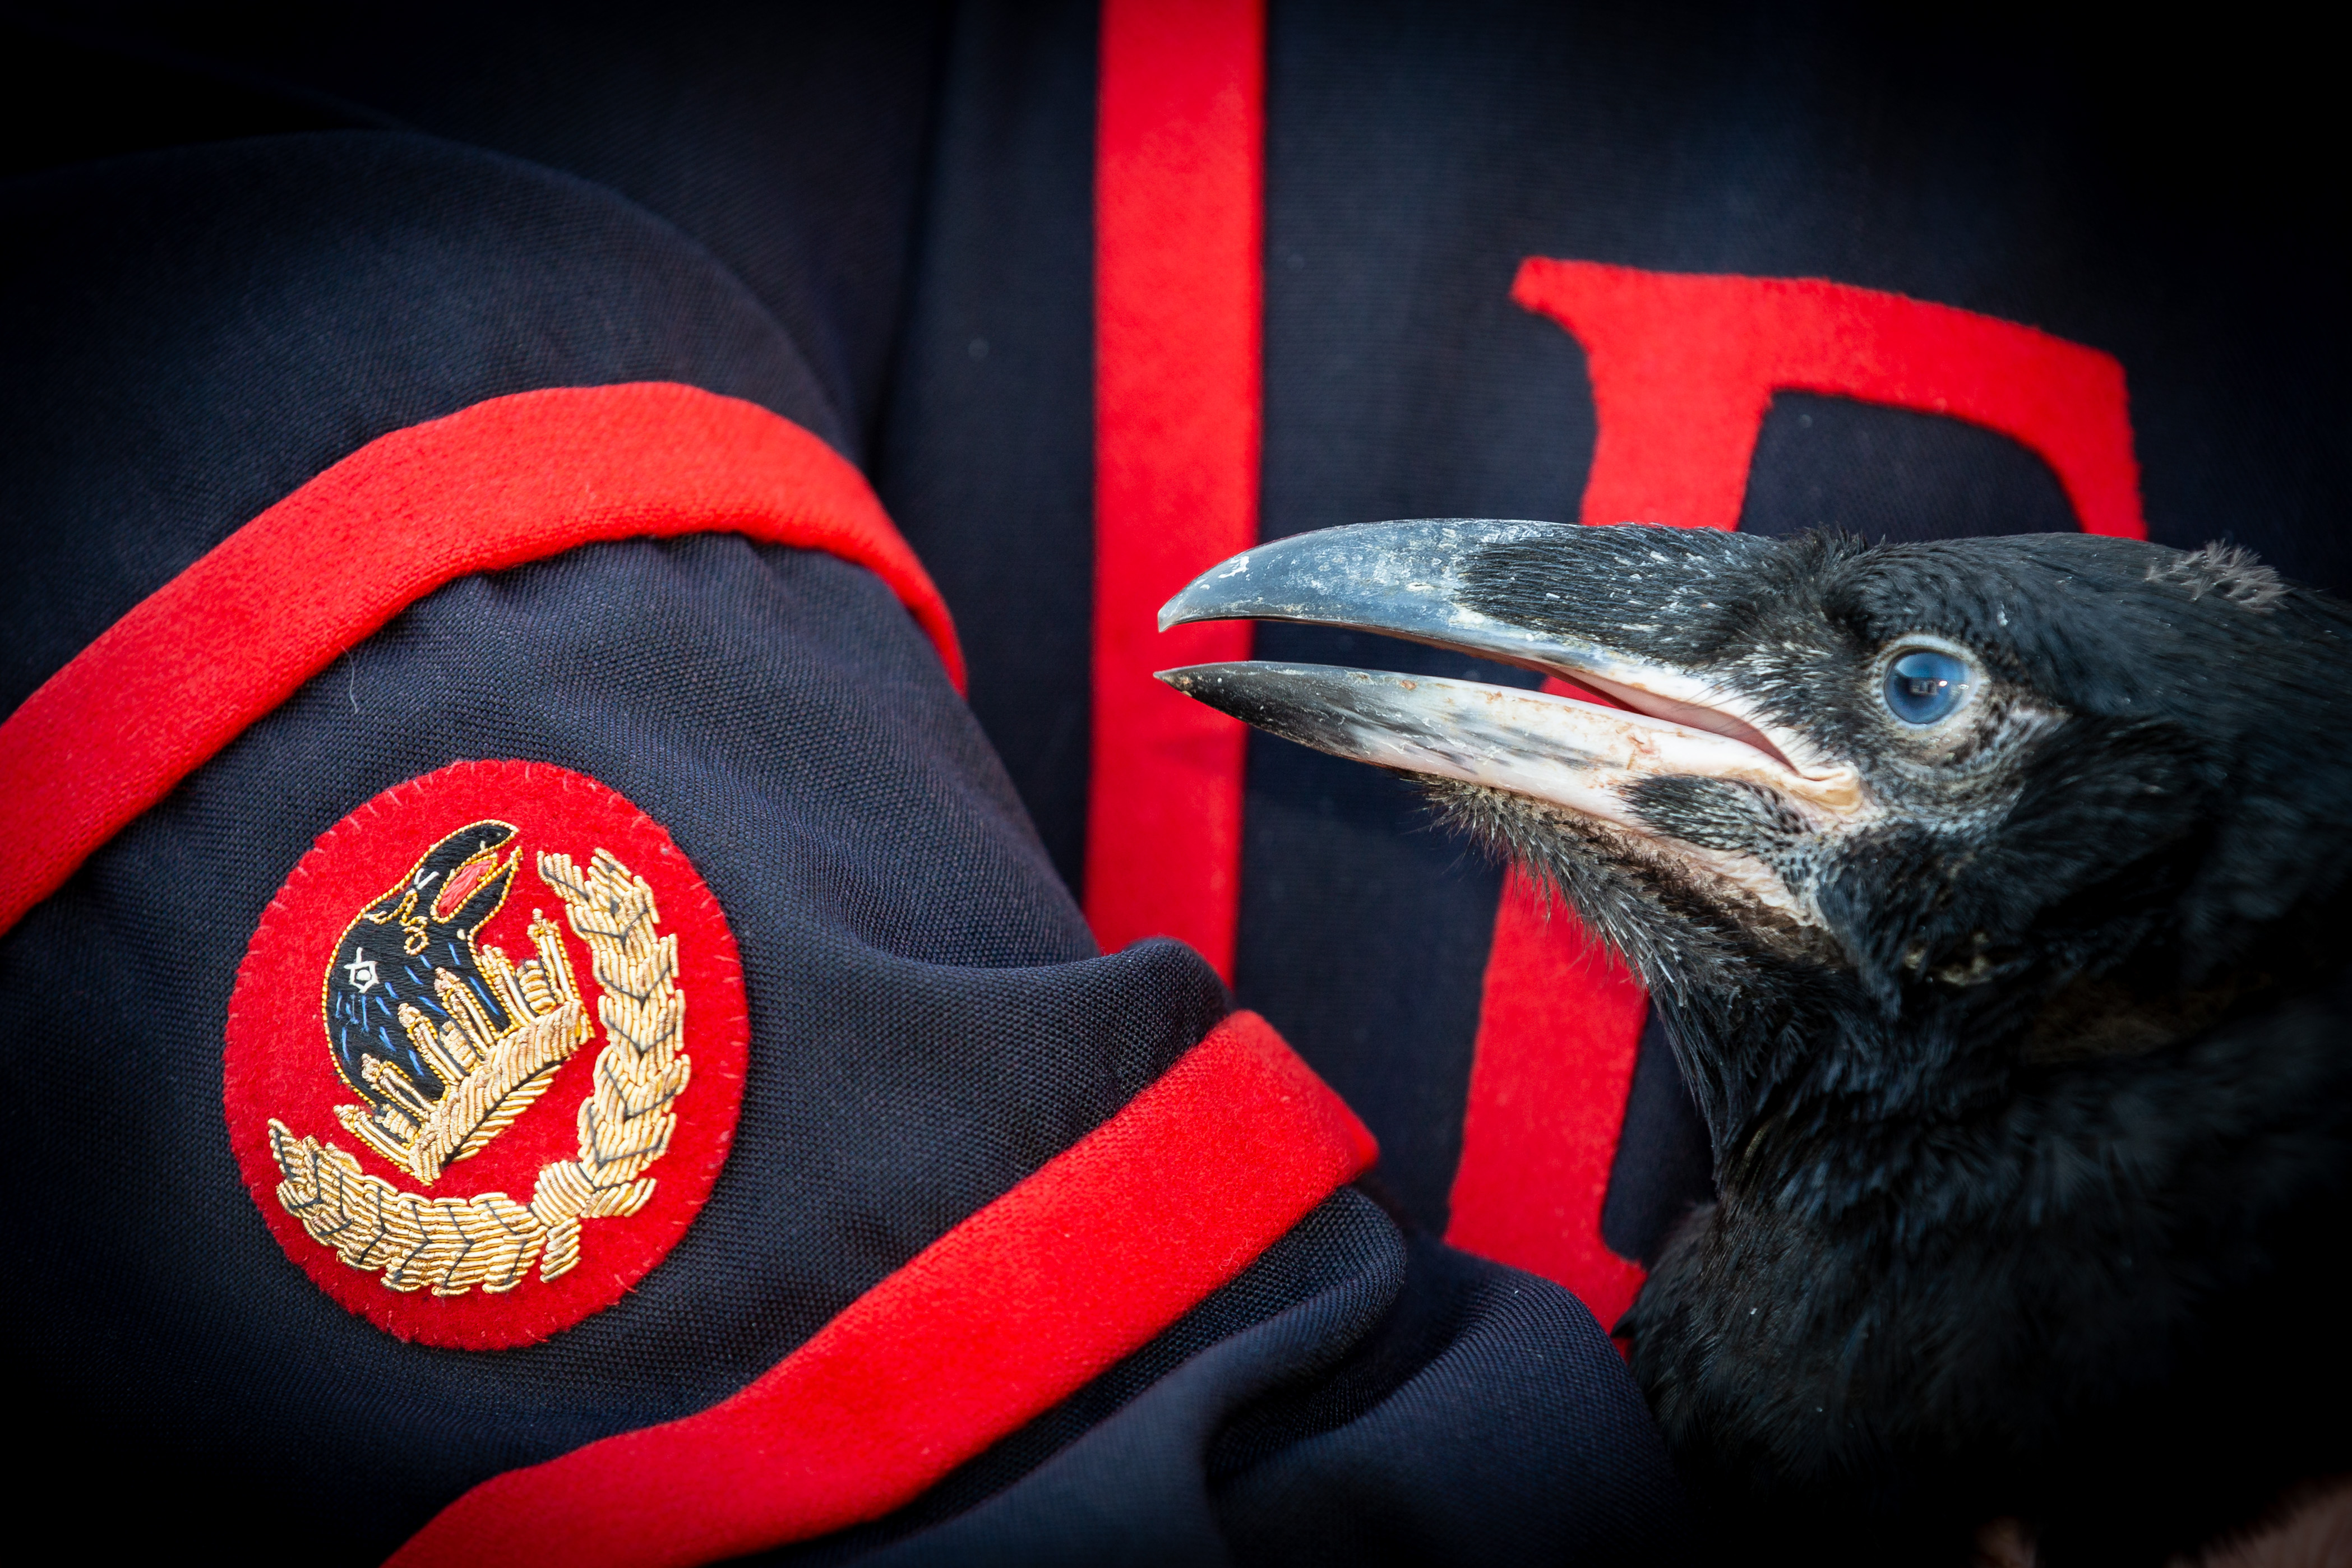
{"points": [[479, 1039]]}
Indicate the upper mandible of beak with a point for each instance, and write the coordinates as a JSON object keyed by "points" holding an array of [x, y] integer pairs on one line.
{"points": [[1403, 579], [1592, 605]]}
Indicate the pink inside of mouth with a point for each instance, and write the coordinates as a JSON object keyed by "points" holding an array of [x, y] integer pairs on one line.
{"points": [[1577, 691], [1691, 715]]}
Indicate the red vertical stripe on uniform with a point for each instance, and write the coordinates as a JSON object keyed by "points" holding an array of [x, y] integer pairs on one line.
{"points": [[1557, 1026], [1178, 184], [1682, 369]]}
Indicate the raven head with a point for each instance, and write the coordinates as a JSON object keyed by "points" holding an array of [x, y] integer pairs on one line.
{"points": [[1994, 893], [1877, 825]]}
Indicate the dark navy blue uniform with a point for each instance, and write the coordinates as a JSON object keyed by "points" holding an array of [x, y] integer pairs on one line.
{"points": [[241, 246]]}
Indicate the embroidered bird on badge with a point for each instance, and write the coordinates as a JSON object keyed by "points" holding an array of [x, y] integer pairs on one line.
{"points": [[1994, 892], [446, 1042]]}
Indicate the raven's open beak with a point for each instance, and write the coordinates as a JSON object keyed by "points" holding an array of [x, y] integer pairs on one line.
{"points": [[1415, 580]]}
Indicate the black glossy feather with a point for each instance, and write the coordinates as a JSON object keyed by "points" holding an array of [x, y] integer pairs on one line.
{"points": [[2034, 1157]]}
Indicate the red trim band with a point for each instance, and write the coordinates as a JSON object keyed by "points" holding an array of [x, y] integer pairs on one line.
{"points": [[996, 1323], [1682, 368], [1178, 274], [505, 482]]}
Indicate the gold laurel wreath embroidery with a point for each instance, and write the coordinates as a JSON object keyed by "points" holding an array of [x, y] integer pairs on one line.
{"points": [[450, 1245]]}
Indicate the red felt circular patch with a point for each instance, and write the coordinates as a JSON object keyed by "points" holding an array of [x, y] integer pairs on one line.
{"points": [[486, 1055]]}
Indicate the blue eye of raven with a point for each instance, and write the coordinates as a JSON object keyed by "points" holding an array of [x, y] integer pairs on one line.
{"points": [[1925, 684]]}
